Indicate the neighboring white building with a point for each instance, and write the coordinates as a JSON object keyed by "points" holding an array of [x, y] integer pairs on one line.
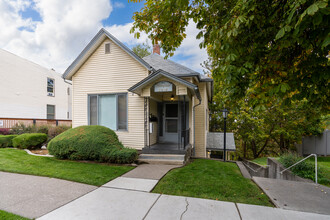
{"points": [[30, 91]]}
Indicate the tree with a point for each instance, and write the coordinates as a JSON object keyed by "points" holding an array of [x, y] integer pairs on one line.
{"points": [[273, 130], [142, 50], [263, 49]]}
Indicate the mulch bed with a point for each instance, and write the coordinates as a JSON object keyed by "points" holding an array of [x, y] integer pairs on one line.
{"points": [[40, 151]]}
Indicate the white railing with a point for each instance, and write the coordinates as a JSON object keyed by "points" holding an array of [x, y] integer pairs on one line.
{"points": [[302, 161]]}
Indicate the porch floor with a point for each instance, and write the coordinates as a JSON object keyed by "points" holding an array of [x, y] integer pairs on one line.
{"points": [[165, 148]]}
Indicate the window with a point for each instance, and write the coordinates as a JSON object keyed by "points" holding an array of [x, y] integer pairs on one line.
{"points": [[109, 110], [50, 111], [68, 90], [50, 87], [107, 48]]}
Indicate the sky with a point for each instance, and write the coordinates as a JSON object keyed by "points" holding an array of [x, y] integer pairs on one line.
{"points": [[52, 33]]}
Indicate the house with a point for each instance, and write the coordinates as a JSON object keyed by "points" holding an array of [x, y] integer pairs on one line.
{"points": [[154, 105], [32, 94]]}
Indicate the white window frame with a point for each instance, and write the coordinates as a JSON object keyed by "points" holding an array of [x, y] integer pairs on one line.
{"points": [[50, 113], [97, 104], [52, 94]]}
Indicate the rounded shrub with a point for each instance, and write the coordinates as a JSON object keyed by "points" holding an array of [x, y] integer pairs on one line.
{"points": [[91, 142], [6, 140], [29, 140]]}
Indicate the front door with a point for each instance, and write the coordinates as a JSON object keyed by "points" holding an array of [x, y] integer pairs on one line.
{"points": [[171, 123]]}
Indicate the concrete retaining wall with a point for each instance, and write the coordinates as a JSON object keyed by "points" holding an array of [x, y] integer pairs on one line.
{"points": [[256, 169], [274, 169]]}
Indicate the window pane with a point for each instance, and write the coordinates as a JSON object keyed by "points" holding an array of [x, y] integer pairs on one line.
{"points": [[93, 110], [171, 125], [107, 111], [122, 112], [171, 110], [50, 82], [50, 85], [50, 111]]}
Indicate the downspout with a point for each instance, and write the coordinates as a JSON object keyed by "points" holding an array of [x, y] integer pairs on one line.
{"points": [[200, 101]]}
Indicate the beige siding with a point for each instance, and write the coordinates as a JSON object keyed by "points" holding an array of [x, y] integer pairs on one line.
{"points": [[153, 111], [200, 124], [111, 73]]}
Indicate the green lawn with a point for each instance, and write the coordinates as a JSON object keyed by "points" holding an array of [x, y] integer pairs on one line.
{"points": [[10, 216], [18, 161], [210, 179], [261, 161]]}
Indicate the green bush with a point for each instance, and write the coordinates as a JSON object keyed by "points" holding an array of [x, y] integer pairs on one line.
{"points": [[50, 130], [92, 142], [304, 169], [6, 140], [29, 141]]}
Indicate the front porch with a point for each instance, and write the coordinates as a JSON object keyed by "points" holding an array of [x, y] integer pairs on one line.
{"points": [[166, 148], [168, 116]]}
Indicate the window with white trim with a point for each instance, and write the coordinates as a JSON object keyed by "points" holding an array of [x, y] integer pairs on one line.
{"points": [[50, 111], [50, 87], [109, 110]]}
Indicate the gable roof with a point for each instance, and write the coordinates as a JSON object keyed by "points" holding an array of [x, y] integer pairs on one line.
{"points": [[159, 73], [91, 47], [158, 62]]}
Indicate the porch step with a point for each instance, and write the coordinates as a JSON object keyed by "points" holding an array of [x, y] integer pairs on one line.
{"points": [[175, 159]]}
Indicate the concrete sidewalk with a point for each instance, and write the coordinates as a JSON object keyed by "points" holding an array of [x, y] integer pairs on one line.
{"points": [[293, 195], [128, 197], [110, 203], [33, 196]]}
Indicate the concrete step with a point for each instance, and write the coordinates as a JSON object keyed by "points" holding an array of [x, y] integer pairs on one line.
{"points": [[162, 159]]}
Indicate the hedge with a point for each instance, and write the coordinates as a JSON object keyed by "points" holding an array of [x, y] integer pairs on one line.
{"points": [[94, 142], [6, 140], [29, 140]]}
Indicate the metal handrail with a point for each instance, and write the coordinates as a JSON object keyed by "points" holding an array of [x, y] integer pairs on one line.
{"points": [[302, 161]]}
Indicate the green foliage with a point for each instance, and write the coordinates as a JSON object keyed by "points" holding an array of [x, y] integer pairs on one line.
{"points": [[303, 169], [121, 156], [29, 141], [10, 216], [18, 161], [50, 130], [210, 179], [142, 50], [272, 48], [268, 131], [6, 140], [93, 142]]}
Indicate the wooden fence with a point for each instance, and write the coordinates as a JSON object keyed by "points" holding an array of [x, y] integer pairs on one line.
{"points": [[10, 122]]}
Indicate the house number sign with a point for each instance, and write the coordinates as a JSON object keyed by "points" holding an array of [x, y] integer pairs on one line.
{"points": [[163, 87]]}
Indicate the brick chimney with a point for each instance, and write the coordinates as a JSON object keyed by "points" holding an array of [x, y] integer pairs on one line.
{"points": [[156, 49]]}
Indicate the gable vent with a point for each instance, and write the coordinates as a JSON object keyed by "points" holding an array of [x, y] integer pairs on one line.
{"points": [[107, 48]]}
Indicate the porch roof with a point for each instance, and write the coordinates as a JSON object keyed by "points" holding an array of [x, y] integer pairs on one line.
{"points": [[137, 88]]}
